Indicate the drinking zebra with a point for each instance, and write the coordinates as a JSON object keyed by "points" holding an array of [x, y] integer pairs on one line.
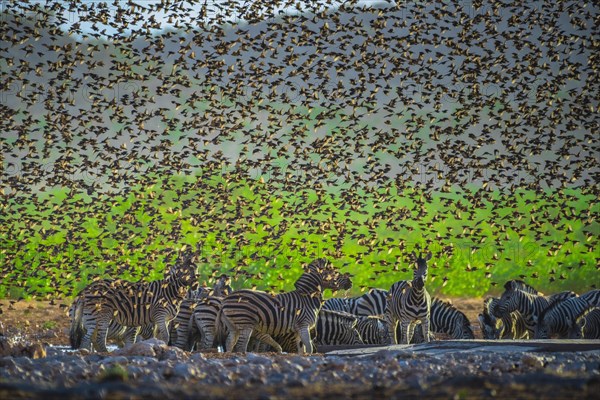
{"points": [[445, 318], [521, 297], [373, 330], [558, 318], [587, 325], [493, 327], [248, 312], [132, 304], [409, 303]]}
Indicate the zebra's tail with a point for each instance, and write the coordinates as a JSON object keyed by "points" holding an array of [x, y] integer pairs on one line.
{"points": [[77, 332]]}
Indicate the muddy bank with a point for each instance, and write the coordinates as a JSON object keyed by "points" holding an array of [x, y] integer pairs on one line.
{"points": [[439, 370]]}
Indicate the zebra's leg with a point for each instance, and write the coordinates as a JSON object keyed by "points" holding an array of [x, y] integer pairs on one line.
{"points": [[391, 322], [233, 336], [425, 329], [306, 344], [182, 335], [406, 332], [244, 337], [163, 330], [89, 326], [265, 338], [103, 322], [130, 335]]}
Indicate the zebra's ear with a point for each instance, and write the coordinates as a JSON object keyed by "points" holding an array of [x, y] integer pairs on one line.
{"points": [[413, 255], [428, 256]]}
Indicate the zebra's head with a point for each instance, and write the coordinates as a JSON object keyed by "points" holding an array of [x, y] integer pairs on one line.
{"points": [[332, 278], [488, 327], [462, 330], [509, 300], [421, 264], [542, 328], [576, 328]]}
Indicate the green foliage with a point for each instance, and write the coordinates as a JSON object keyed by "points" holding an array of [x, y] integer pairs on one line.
{"points": [[55, 244]]}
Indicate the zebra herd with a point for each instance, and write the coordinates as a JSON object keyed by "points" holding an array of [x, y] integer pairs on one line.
{"points": [[177, 311], [522, 312]]}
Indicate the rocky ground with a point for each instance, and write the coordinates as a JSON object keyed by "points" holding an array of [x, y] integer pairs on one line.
{"points": [[153, 370]]}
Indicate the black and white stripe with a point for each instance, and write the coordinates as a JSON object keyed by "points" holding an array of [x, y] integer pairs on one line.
{"points": [[206, 330], [527, 301], [373, 330], [557, 319], [408, 303], [246, 312], [493, 327], [336, 328], [587, 324], [447, 319], [133, 304]]}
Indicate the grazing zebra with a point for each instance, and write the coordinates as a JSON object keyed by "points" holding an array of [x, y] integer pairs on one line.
{"points": [[370, 303], [335, 328], [445, 318], [409, 303], [492, 327], [373, 330], [133, 304], [522, 298], [557, 318], [248, 312], [587, 324]]}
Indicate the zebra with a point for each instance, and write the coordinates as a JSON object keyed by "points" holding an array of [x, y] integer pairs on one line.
{"points": [[205, 328], [409, 302], [121, 335], [332, 328], [492, 327], [348, 305], [248, 312], [133, 304], [183, 322], [557, 318], [445, 318], [592, 297], [336, 328], [372, 329], [370, 303], [587, 325], [528, 301]]}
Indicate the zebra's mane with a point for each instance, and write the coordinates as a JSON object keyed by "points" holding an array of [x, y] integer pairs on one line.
{"points": [[344, 317], [516, 284]]}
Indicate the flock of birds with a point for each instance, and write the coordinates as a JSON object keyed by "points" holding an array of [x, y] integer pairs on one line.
{"points": [[375, 100]]}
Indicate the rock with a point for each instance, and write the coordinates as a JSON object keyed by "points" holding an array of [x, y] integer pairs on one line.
{"points": [[146, 348], [17, 349], [532, 360]]}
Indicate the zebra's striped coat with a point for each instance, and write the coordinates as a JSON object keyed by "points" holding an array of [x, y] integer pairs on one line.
{"points": [[587, 325], [246, 312], [133, 304], [409, 303]]}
